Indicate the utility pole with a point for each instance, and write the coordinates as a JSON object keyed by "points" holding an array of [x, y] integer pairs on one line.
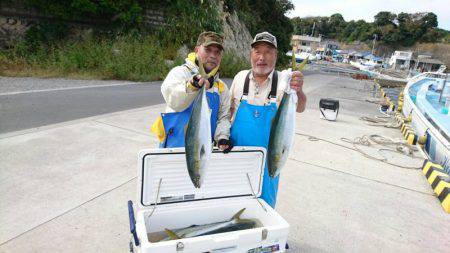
{"points": [[374, 41], [314, 26]]}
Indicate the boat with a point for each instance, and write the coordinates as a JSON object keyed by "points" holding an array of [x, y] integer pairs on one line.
{"points": [[365, 65], [427, 104], [299, 57], [397, 78], [391, 78]]}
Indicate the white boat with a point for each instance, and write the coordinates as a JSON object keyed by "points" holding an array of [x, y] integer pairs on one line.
{"points": [[302, 55], [365, 65], [427, 102]]}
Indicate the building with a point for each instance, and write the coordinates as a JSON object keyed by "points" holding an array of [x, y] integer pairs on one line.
{"points": [[404, 60], [305, 43], [329, 45], [401, 60], [424, 63]]}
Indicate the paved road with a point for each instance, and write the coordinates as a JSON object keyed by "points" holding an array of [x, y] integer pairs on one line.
{"points": [[37, 107]]}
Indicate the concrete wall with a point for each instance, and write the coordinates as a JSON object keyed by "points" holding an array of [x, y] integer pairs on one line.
{"points": [[16, 19]]}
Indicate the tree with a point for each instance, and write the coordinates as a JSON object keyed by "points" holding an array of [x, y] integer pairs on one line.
{"points": [[336, 25], [403, 29], [384, 18], [430, 20], [267, 15], [347, 32], [402, 18]]}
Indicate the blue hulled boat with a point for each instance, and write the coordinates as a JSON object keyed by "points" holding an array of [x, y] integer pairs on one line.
{"points": [[427, 104]]}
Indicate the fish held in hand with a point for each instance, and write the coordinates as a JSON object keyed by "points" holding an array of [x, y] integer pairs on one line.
{"points": [[282, 133], [198, 142]]}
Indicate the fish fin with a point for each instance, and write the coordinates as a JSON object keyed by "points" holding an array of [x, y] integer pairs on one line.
{"points": [[202, 152], [237, 216], [172, 234]]}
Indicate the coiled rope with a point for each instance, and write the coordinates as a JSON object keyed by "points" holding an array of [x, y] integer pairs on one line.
{"points": [[381, 121], [400, 147]]}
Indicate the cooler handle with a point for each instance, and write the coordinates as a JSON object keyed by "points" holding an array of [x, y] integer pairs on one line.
{"points": [[132, 222]]}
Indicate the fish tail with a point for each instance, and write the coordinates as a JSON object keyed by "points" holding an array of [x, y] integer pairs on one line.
{"points": [[201, 70], [172, 235], [302, 65], [293, 60]]}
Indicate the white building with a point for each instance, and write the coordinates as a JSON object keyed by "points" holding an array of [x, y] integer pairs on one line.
{"points": [[305, 43], [401, 60]]}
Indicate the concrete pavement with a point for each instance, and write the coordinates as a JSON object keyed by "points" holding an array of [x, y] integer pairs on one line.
{"points": [[64, 187]]}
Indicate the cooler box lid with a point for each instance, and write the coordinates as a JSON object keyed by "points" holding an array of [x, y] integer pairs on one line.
{"points": [[328, 103], [225, 177]]}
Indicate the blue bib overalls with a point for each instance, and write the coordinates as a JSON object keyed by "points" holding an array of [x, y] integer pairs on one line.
{"points": [[175, 122], [251, 127]]}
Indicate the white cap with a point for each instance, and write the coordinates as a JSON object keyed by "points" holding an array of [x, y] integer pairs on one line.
{"points": [[265, 37]]}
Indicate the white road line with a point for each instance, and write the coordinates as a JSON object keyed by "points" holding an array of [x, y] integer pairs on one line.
{"points": [[60, 89]]}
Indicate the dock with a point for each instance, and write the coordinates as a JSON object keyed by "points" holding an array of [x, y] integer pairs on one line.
{"points": [[65, 187]]}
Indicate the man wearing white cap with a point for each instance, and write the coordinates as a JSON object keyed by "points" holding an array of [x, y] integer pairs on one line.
{"points": [[255, 96]]}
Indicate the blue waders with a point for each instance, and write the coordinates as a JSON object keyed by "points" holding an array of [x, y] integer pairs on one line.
{"points": [[175, 122], [251, 127]]}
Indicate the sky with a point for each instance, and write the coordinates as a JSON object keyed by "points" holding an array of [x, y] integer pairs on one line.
{"points": [[367, 9]]}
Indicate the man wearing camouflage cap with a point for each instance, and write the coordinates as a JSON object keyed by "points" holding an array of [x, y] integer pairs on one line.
{"points": [[182, 85]]}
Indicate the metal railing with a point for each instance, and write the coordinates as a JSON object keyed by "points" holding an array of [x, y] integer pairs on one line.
{"points": [[443, 87]]}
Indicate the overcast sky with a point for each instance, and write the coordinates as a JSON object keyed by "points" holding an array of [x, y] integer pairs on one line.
{"points": [[366, 9]]}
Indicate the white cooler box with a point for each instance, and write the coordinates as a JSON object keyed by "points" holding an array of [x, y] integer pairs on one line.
{"points": [[231, 183]]}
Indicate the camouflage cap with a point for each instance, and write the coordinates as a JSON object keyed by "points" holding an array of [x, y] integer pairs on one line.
{"points": [[210, 38]]}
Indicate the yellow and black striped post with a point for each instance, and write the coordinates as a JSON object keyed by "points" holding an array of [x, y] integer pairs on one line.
{"points": [[439, 181], [444, 196], [411, 139], [409, 118], [407, 131], [405, 127], [399, 117], [400, 105]]}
